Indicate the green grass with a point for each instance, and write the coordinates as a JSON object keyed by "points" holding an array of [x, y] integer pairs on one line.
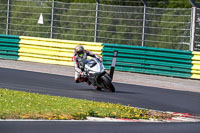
{"points": [[23, 105]]}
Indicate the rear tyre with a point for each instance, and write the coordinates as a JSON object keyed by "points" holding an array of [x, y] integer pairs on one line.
{"points": [[108, 84]]}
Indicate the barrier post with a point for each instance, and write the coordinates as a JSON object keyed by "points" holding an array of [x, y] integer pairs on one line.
{"points": [[144, 22], [52, 18], [113, 64], [193, 28], [8, 20], [96, 21]]}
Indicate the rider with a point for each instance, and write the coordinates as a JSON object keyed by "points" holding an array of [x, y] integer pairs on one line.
{"points": [[79, 58]]}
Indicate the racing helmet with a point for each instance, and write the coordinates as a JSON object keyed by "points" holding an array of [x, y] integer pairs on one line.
{"points": [[79, 50]]}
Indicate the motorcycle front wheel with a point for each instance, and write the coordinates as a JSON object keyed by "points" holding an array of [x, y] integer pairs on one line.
{"points": [[108, 84]]}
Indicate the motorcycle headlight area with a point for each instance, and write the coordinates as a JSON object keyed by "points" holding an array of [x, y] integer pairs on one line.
{"points": [[91, 63]]}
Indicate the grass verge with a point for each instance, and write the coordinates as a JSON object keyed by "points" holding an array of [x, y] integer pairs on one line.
{"points": [[24, 105]]}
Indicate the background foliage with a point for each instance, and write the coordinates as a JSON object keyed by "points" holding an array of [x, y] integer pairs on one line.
{"points": [[151, 3], [77, 28]]}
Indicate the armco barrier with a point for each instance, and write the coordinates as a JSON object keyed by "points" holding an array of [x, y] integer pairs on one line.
{"points": [[168, 62], [52, 51], [9, 46]]}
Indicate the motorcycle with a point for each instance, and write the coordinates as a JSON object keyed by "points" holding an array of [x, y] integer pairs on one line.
{"points": [[95, 74]]}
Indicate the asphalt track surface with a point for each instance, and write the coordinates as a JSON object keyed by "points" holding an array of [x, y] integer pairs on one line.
{"points": [[127, 94]]}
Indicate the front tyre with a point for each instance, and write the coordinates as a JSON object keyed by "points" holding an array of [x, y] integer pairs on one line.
{"points": [[108, 84]]}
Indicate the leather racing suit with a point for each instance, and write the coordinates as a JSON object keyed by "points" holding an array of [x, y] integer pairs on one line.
{"points": [[79, 64]]}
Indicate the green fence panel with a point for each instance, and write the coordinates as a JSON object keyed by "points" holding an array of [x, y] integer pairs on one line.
{"points": [[131, 60], [9, 53], [169, 64], [9, 47], [159, 61], [150, 62], [149, 57], [9, 40], [127, 69], [168, 73], [122, 64], [9, 36], [9, 57], [108, 45], [150, 71], [9, 44], [164, 68]]}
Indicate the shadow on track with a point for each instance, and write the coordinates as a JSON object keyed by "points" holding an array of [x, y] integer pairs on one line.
{"points": [[106, 91]]}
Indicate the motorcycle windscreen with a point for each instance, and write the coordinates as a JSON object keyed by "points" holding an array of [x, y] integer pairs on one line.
{"points": [[92, 63]]}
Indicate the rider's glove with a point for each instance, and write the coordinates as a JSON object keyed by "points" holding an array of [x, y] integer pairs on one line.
{"points": [[82, 73]]}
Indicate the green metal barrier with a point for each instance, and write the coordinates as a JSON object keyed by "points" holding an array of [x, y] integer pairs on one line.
{"points": [[166, 62], [149, 60], [9, 46]]}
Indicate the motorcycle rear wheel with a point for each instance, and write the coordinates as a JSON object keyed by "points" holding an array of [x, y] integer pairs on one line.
{"points": [[108, 84]]}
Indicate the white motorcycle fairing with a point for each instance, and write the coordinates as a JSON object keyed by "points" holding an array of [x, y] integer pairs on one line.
{"points": [[95, 73]]}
